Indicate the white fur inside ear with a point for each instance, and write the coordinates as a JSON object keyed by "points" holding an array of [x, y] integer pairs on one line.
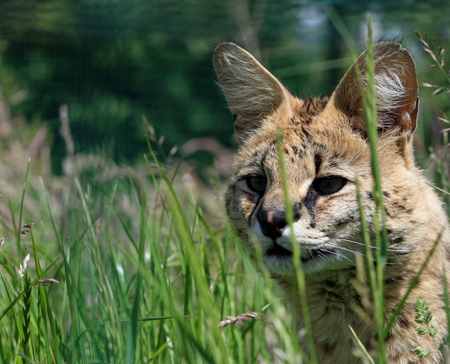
{"points": [[248, 87], [396, 87], [389, 88], [390, 93], [245, 89]]}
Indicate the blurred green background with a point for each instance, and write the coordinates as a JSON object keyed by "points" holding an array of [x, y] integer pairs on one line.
{"points": [[114, 62]]}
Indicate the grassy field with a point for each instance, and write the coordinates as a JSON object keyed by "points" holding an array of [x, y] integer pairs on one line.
{"points": [[142, 277], [122, 264]]}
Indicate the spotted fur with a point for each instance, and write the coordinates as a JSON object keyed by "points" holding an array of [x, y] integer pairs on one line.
{"points": [[325, 144]]}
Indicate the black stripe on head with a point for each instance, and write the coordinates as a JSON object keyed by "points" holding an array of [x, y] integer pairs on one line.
{"points": [[256, 210], [297, 207], [310, 202], [317, 162]]}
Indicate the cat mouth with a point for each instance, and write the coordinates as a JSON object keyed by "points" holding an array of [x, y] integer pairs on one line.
{"points": [[278, 251]]}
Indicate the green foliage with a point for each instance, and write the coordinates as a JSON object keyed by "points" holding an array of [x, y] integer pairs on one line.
{"points": [[441, 164], [424, 316], [299, 275], [112, 62], [421, 353], [150, 288]]}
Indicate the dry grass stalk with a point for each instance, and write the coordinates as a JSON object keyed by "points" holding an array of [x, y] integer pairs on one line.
{"points": [[233, 320]]}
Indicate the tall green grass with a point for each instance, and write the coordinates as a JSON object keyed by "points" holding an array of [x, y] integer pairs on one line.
{"points": [[149, 289]]}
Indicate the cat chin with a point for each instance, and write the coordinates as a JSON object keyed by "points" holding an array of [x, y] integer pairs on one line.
{"points": [[317, 254], [283, 266]]}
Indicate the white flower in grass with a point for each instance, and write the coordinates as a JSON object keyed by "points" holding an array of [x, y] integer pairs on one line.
{"points": [[2, 241], [46, 281], [23, 266]]}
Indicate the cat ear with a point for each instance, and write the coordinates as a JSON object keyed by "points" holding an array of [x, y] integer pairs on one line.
{"points": [[252, 92], [396, 89]]}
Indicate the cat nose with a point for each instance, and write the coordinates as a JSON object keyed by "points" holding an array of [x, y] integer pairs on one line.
{"points": [[272, 222]]}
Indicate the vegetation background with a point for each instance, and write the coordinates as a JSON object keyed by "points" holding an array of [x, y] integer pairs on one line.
{"points": [[146, 265], [112, 62]]}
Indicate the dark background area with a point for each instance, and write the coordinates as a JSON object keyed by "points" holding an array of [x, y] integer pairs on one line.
{"points": [[114, 62]]}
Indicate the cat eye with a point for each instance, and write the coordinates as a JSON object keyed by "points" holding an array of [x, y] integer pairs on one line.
{"points": [[257, 183], [329, 185]]}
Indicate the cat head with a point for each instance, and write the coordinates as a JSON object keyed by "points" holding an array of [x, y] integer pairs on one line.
{"points": [[325, 147]]}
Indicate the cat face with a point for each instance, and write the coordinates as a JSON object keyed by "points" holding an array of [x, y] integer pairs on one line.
{"points": [[321, 168], [325, 150]]}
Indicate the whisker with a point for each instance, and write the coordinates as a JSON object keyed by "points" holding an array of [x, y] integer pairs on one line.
{"points": [[375, 248], [351, 251], [374, 259], [337, 254]]}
